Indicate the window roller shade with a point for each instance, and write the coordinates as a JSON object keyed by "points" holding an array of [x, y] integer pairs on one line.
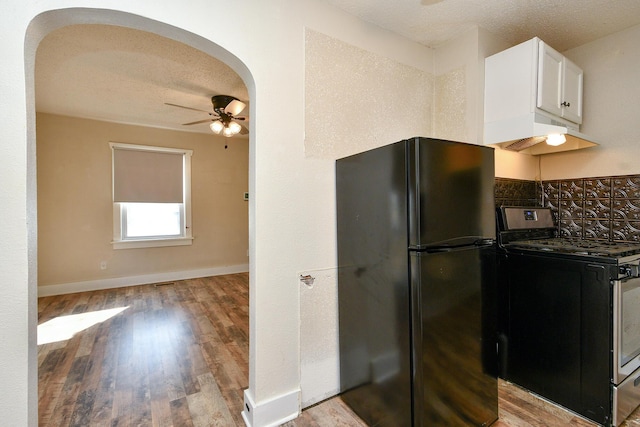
{"points": [[141, 176]]}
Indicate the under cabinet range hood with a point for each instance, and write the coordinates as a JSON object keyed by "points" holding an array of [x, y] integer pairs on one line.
{"points": [[533, 100], [528, 134]]}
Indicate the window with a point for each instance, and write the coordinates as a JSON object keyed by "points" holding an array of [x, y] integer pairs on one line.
{"points": [[144, 220], [151, 196]]}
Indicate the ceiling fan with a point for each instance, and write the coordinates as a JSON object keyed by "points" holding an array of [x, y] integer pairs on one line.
{"points": [[224, 118]]}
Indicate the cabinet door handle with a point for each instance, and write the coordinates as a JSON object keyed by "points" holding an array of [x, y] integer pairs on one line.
{"points": [[566, 104]]}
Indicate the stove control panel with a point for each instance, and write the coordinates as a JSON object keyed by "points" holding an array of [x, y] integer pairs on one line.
{"points": [[522, 218], [628, 271]]}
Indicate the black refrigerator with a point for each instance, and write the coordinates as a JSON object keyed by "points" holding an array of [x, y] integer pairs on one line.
{"points": [[416, 284]]}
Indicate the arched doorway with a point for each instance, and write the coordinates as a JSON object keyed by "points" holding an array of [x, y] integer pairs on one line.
{"points": [[50, 21]]}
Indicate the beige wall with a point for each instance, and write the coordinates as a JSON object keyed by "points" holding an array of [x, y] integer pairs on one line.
{"points": [[75, 225], [611, 110]]}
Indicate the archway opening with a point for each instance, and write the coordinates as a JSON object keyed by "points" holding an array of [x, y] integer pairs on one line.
{"points": [[48, 22]]}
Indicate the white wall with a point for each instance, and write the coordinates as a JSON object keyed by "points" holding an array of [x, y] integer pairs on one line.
{"points": [[456, 71], [459, 98], [365, 99], [611, 110], [291, 220]]}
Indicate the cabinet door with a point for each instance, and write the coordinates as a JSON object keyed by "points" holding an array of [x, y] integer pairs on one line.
{"points": [[549, 79], [572, 92]]}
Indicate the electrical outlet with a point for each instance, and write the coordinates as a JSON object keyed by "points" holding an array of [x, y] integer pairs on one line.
{"points": [[103, 265]]}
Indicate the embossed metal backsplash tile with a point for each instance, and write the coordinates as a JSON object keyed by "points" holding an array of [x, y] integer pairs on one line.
{"points": [[603, 208], [626, 209], [570, 227], [572, 190], [551, 194], [597, 188], [516, 192], [597, 209], [626, 187], [628, 231], [596, 229]]}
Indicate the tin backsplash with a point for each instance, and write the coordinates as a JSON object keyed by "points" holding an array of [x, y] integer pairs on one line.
{"points": [[516, 192], [604, 208]]}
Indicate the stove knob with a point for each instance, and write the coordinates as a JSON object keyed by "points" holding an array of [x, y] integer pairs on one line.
{"points": [[625, 271]]}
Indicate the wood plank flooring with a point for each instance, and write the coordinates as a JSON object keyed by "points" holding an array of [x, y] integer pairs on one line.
{"points": [[178, 356]]}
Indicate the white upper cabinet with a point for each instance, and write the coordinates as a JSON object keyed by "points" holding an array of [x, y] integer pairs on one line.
{"points": [[531, 92], [559, 86], [532, 79]]}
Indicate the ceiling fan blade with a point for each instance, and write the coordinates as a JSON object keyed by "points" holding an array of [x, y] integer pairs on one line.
{"points": [[188, 108], [244, 130], [195, 123], [234, 107], [240, 118]]}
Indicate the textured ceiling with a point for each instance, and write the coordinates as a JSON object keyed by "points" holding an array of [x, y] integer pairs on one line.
{"points": [[123, 75], [563, 24]]}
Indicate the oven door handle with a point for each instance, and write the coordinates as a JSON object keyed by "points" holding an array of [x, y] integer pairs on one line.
{"points": [[622, 368], [617, 301], [598, 269]]}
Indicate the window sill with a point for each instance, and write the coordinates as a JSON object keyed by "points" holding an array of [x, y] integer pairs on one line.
{"points": [[151, 243]]}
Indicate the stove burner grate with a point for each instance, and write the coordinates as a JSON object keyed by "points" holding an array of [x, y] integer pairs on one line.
{"points": [[579, 246]]}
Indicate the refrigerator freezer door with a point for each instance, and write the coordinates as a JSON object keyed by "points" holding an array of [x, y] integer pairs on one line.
{"points": [[451, 193], [454, 334]]}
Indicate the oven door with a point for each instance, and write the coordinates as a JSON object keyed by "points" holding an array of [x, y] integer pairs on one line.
{"points": [[626, 328]]}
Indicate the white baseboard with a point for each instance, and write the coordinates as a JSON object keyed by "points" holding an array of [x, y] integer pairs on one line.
{"points": [[273, 412], [120, 282]]}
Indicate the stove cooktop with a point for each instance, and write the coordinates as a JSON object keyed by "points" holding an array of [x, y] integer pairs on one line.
{"points": [[577, 246], [533, 229]]}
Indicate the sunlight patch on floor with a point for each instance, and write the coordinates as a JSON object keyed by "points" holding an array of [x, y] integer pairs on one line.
{"points": [[63, 328]]}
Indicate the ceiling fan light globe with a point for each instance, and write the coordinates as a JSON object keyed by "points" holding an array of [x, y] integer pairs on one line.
{"points": [[234, 127], [235, 107], [217, 126], [227, 132]]}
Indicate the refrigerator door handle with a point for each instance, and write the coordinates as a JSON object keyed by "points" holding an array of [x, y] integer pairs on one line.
{"points": [[485, 242], [416, 339], [454, 244]]}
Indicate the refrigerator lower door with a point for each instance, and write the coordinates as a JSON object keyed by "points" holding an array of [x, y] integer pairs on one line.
{"points": [[375, 356], [454, 335]]}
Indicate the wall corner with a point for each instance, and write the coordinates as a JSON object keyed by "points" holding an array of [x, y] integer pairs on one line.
{"points": [[273, 412]]}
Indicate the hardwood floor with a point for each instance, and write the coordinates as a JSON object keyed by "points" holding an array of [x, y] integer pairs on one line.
{"points": [[177, 356]]}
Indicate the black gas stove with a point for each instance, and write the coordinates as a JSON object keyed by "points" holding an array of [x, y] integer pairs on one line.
{"points": [[533, 229], [569, 311]]}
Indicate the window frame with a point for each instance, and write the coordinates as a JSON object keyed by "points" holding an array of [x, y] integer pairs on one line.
{"points": [[186, 238]]}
